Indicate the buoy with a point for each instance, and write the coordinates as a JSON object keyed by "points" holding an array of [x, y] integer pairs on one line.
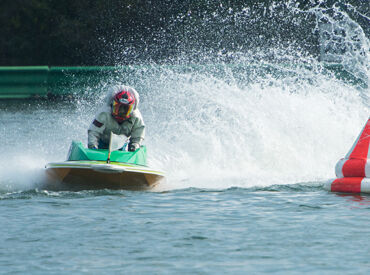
{"points": [[353, 171]]}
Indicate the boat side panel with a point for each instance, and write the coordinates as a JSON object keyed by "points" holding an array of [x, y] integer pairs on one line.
{"points": [[82, 178]]}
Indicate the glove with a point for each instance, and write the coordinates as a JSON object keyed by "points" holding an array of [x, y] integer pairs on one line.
{"points": [[90, 146], [133, 147]]}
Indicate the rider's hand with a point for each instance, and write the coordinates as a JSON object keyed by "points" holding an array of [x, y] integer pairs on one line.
{"points": [[92, 146], [133, 147]]}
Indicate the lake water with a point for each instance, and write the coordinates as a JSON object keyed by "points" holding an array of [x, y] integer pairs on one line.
{"points": [[290, 229]]}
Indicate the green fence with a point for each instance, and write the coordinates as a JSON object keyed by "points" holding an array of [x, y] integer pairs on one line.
{"points": [[44, 81], [20, 82]]}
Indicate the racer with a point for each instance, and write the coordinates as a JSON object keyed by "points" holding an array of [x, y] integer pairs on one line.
{"points": [[120, 115]]}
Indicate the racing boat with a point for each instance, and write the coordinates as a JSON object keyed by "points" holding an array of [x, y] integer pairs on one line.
{"points": [[102, 169]]}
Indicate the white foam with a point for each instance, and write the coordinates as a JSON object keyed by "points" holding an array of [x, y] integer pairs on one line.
{"points": [[21, 172], [209, 132]]}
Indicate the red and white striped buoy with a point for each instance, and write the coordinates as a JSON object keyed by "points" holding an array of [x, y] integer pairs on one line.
{"points": [[353, 171]]}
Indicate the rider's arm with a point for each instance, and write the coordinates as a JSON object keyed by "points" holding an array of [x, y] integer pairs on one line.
{"points": [[96, 130]]}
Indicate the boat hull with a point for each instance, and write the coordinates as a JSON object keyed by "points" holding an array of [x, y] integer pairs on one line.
{"points": [[93, 175]]}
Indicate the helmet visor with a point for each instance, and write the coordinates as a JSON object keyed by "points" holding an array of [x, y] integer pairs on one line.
{"points": [[122, 110]]}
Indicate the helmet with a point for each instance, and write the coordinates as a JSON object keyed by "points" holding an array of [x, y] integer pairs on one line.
{"points": [[122, 105]]}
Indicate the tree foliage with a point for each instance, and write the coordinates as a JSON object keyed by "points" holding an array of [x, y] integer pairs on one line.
{"points": [[107, 32]]}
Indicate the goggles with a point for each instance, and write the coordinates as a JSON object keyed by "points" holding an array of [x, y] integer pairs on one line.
{"points": [[122, 110]]}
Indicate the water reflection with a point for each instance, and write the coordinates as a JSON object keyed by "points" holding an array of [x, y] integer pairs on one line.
{"points": [[362, 199]]}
